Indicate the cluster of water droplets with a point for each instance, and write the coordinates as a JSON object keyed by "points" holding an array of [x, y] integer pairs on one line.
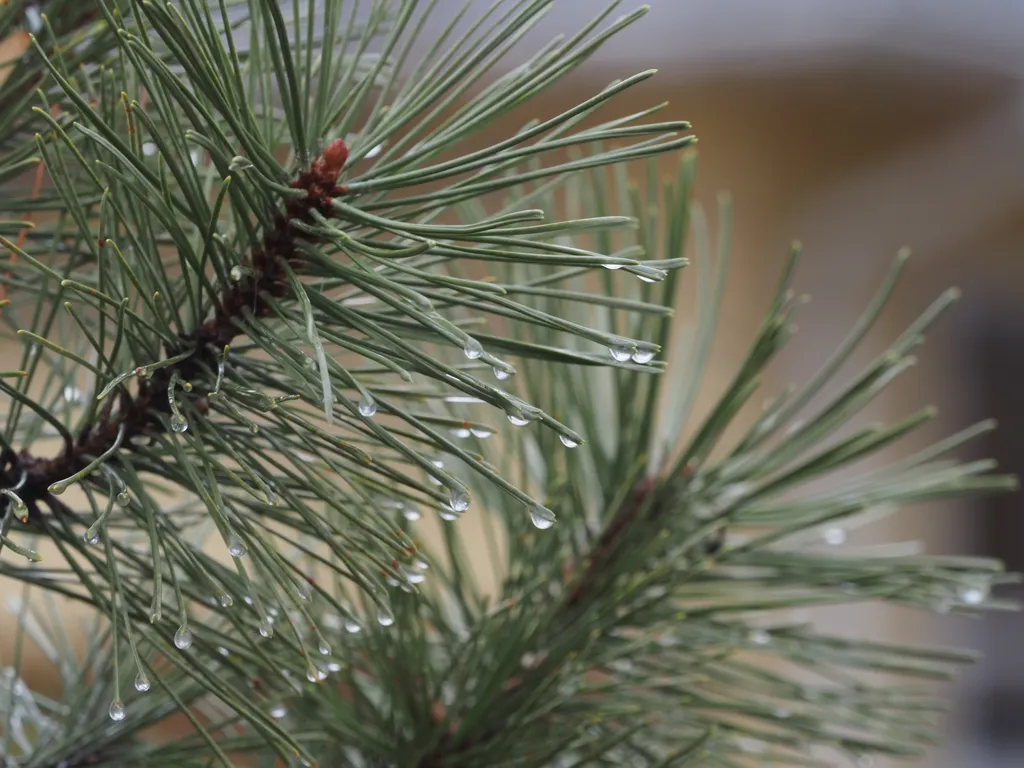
{"points": [[639, 352]]}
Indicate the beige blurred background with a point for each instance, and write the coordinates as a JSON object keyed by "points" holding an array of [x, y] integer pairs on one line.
{"points": [[860, 127]]}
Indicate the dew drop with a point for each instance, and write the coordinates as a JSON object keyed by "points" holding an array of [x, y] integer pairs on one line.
{"points": [[541, 517], [385, 618], [613, 267], [447, 515], [411, 514], [91, 537], [124, 498], [266, 629], [517, 420], [461, 432], [501, 374], [148, 148], [141, 683], [367, 407], [225, 600], [760, 637], [415, 577], [473, 349], [420, 564], [324, 648], [334, 666], [482, 432], [179, 423], [352, 626], [458, 500], [567, 441], [374, 151], [278, 711], [236, 273], [834, 536], [621, 352], [183, 638], [643, 355], [305, 589], [973, 595], [116, 710], [72, 394], [648, 279], [223, 651], [236, 548]]}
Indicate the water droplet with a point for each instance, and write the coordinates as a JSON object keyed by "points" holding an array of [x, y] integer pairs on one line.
{"points": [[647, 279], [334, 666], [973, 594], [501, 374], [179, 423], [141, 683], [482, 432], [613, 267], [116, 710], [376, 150], [225, 600], [324, 648], [567, 441], [517, 420], [458, 500], [643, 355], [247, 599], [541, 517], [834, 536], [236, 273], [621, 352], [124, 498], [148, 148], [72, 394], [420, 564], [473, 349], [313, 675], [447, 515], [385, 618], [266, 629], [760, 637], [278, 711], [236, 548], [183, 638], [411, 514], [223, 651], [367, 407], [91, 537], [304, 589], [415, 577], [352, 626]]}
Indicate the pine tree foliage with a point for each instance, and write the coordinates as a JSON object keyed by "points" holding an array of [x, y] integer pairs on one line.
{"points": [[284, 297]]}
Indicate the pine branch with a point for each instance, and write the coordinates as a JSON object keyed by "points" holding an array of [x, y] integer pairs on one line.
{"points": [[195, 352]]}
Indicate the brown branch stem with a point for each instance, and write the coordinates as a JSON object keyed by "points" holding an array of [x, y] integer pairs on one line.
{"points": [[143, 412]]}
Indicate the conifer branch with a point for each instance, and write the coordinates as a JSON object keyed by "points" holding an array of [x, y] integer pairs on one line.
{"points": [[195, 352]]}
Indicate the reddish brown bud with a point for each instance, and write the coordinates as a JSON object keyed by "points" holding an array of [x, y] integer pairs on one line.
{"points": [[333, 159]]}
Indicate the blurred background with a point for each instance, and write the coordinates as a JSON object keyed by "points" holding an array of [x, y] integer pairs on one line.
{"points": [[858, 128]]}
